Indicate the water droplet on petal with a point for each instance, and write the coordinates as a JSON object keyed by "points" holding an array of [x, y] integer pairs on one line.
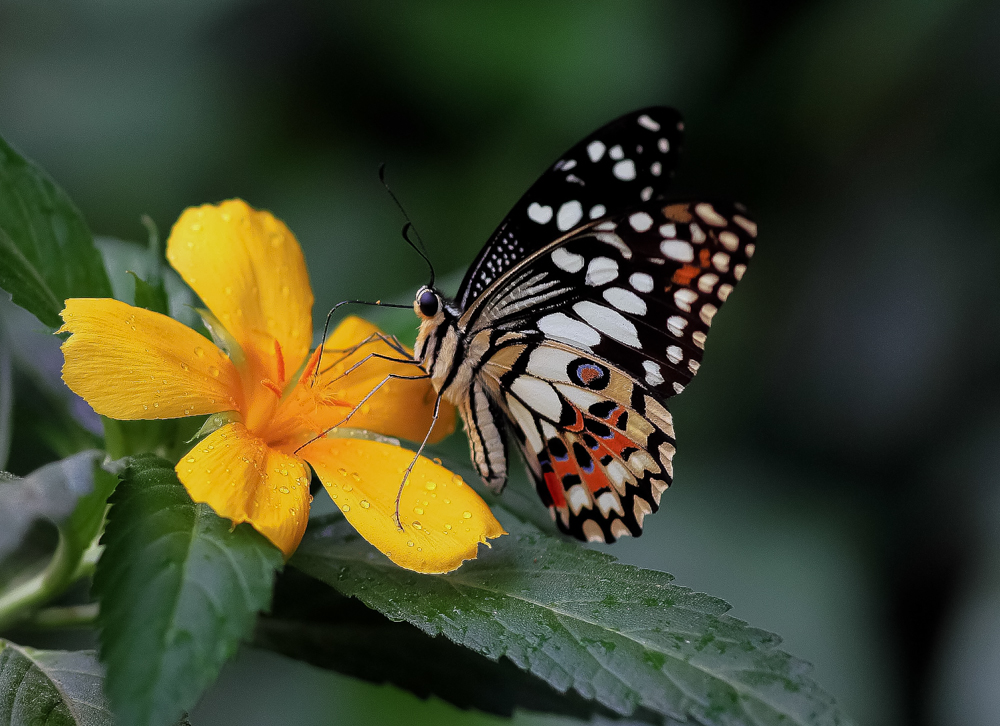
{"points": [[284, 490], [409, 543], [342, 471], [457, 480], [356, 476], [345, 507], [467, 515], [213, 371], [431, 486], [416, 525], [365, 504], [447, 526], [418, 510], [199, 351]]}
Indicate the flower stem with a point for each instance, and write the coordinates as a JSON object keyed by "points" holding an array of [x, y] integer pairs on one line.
{"points": [[72, 616]]}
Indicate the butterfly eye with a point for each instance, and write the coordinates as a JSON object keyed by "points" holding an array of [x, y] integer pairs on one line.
{"points": [[427, 301]]}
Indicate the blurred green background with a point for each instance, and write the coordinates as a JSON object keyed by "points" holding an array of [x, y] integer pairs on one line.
{"points": [[839, 462]]}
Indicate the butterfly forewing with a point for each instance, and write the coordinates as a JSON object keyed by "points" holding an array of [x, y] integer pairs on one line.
{"points": [[618, 166]]}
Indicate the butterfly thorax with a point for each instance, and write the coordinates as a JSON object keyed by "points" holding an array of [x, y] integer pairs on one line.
{"points": [[440, 345]]}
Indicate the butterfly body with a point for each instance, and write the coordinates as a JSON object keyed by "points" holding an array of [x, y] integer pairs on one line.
{"points": [[588, 308]]}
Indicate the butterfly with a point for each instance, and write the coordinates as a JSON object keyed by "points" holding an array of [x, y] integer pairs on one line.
{"points": [[584, 312]]}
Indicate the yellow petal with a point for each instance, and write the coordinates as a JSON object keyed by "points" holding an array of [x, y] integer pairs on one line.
{"points": [[400, 408], [248, 269], [444, 520], [131, 363], [243, 479]]}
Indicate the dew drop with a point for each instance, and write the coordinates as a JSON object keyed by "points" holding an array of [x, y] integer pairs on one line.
{"points": [[457, 480], [184, 366], [409, 543], [284, 490], [437, 461], [365, 504], [190, 460], [416, 525], [447, 526], [431, 486], [356, 476], [214, 371], [347, 488], [342, 471], [199, 351], [345, 507], [467, 515]]}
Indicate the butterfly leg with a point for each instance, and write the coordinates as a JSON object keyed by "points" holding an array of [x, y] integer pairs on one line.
{"points": [[379, 356], [399, 494], [361, 403]]}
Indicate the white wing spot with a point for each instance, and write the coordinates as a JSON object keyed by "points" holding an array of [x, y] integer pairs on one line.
{"points": [[608, 321], [654, 376], [729, 240], [569, 214], [624, 170], [613, 240], [750, 249], [640, 221], [721, 261], [707, 281], [596, 211], [648, 123], [697, 233], [538, 213], [656, 168], [540, 395], [693, 365], [566, 260], [663, 145], [750, 227], [738, 272], [608, 502], [641, 281], [563, 327], [676, 325], [619, 529], [578, 498], [707, 212], [616, 152], [668, 230], [601, 270], [645, 195], [640, 508], [724, 291], [699, 338], [527, 423], [683, 298], [566, 165], [677, 249], [678, 388], [625, 300], [708, 311], [674, 354], [595, 150], [550, 363]]}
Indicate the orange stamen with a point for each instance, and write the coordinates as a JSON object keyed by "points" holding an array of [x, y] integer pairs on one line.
{"points": [[310, 365], [329, 399], [281, 361], [271, 386]]}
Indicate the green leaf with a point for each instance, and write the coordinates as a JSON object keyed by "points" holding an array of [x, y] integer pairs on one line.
{"points": [[311, 622], [51, 687], [151, 295], [179, 588], [51, 492], [623, 636], [46, 251]]}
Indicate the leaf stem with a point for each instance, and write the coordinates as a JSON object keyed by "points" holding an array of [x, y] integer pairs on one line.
{"points": [[71, 616], [17, 602]]}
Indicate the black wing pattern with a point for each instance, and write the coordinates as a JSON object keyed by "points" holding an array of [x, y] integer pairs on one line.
{"points": [[620, 165], [589, 336]]}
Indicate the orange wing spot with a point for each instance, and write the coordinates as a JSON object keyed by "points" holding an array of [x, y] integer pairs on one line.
{"points": [[281, 361], [684, 275], [578, 424], [271, 386], [555, 489], [704, 257], [677, 212], [311, 365]]}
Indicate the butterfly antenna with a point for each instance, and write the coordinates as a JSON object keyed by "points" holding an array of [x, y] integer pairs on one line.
{"points": [[418, 246]]}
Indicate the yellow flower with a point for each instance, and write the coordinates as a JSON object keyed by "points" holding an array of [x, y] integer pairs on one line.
{"points": [[130, 363]]}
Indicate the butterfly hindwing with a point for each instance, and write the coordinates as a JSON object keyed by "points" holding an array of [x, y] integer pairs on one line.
{"points": [[598, 443], [620, 165]]}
